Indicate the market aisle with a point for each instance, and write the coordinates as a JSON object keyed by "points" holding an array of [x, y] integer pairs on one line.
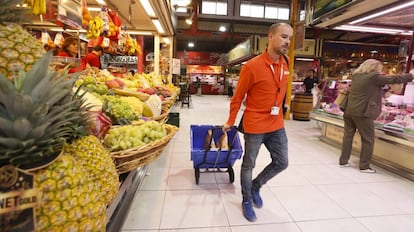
{"points": [[313, 195]]}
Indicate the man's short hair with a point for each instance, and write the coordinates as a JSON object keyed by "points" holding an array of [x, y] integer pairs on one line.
{"points": [[98, 48]]}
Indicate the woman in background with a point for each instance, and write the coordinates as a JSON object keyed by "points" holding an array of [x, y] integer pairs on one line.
{"points": [[70, 48], [364, 106]]}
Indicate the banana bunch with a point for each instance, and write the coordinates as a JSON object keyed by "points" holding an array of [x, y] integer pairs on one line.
{"points": [[38, 6], [132, 46], [95, 28]]}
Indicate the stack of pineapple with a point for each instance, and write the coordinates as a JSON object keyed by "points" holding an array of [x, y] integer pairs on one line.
{"points": [[43, 130]]}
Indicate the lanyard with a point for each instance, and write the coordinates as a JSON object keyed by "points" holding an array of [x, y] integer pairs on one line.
{"points": [[280, 79]]}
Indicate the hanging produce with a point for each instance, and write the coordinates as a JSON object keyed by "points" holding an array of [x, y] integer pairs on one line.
{"points": [[38, 6], [95, 28], [86, 16]]}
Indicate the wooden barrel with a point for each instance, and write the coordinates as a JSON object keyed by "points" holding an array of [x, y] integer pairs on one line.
{"points": [[302, 105]]}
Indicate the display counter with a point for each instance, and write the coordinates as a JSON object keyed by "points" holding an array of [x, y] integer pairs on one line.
{"points": [[393, 150]]}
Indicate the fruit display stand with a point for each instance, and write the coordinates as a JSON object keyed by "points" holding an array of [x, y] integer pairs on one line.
{"points": [[130, 159]]}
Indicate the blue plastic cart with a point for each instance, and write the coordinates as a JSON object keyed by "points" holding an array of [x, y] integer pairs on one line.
{"points": [[214, 160]]}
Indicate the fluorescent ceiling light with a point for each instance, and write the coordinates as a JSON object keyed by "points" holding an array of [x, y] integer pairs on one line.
{"points": [[373, 30], [148, 8], [67, 30], [181, 9], [139, 32], [157, 24], [408, 4], [304, 59], [189, 21], [182, 2], [102, 2], [94, 9], [191, 44], [222, 28]]}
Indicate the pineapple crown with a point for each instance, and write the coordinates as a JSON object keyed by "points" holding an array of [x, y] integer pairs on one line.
{"points": [[38, 114], [9, 12]]}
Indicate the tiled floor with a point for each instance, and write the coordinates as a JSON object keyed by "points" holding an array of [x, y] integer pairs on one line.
{"points": [[313, 195]]}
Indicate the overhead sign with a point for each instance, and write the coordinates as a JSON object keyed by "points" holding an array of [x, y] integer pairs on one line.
{"points": [[70, 13], [200, 58], [308, 48], [241, 50], [204, 69], [176, 66]]}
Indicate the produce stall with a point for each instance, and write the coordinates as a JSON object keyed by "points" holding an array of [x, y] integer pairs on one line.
{"points": [[73, 146]]}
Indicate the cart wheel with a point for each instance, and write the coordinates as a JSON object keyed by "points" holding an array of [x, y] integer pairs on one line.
{"points": [[231, 174], [197, 175]]}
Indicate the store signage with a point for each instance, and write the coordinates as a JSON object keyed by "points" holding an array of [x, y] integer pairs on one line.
{"points": [[70, 13], [18, 198], [150, 57], [204, 69], [176, 66], [241, 50], [123, 60], [308, 48], [199, 58], [322, 8]]}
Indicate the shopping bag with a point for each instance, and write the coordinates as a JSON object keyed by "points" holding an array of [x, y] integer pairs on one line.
{"points": [[342, 99], [209, 141], [223, 142]]}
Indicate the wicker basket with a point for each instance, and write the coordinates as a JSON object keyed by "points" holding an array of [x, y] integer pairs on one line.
{"points": [[162, 117], [131, 159]]}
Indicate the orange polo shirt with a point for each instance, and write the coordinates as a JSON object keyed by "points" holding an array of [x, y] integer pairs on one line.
{"points": [[263, 82]]}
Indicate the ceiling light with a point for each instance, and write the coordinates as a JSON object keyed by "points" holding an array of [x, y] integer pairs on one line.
{"points": [[148, 8], [222, 28], [97, 9], [157, 24], [181, 9], [182, 2], [189, 21], [304, 59], [139, 32], [373, 30], [166, 40], [383, 12], [102, 2], [190, 44]]}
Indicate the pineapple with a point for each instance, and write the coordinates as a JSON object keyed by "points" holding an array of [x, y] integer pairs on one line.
{"points": [[43, 129], [77, 188], [18, 48], [40, 117]]}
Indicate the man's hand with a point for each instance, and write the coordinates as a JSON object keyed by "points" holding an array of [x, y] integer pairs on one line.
{"points": [[226, 127]]}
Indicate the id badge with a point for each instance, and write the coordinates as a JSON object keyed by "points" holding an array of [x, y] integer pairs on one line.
{"points": [[275, 110]]}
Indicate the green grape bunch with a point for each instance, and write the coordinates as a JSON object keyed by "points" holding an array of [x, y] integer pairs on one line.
{"points": [[130, 136], [120, 112]]}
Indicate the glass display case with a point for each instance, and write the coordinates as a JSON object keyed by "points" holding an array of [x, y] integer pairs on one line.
{"points": [[394, 132]]}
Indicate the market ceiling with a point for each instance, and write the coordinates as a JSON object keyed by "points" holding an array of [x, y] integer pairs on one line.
{"points": [[207, 37]]}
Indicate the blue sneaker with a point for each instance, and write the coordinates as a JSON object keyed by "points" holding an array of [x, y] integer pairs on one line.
{"points": [[257, 200], [248, 211]]}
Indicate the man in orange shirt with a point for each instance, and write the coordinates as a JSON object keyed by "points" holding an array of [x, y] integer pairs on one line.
{"points": [[262, 84]]}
